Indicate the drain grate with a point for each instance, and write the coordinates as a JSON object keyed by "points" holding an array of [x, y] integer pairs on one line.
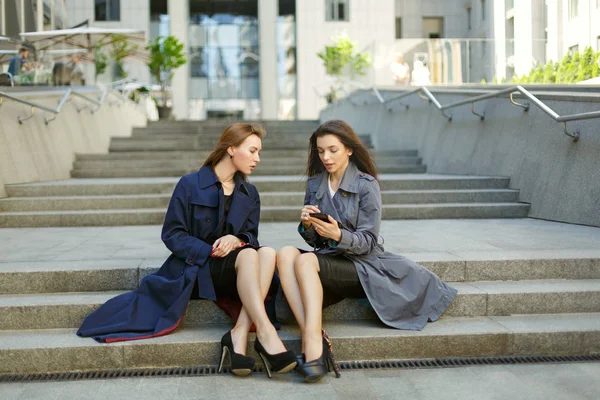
{"points": [[347, 366]]}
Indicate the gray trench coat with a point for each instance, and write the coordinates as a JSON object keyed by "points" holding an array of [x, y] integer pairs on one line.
{"points": [[404, 294]]}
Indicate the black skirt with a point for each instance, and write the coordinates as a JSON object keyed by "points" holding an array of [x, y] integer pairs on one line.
{"points": [[339, 279]]}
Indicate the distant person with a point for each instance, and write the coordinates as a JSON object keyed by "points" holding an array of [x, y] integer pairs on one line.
{"points": [[19, 65], [401, 71], [70, 73], [420, 76]]}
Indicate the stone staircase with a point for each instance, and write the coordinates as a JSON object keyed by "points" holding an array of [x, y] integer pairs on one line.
{"points": [[553, 308], [526, 302], [132, 184]]}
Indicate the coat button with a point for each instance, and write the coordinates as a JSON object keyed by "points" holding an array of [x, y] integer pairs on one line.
{"points": [[207, 219]]}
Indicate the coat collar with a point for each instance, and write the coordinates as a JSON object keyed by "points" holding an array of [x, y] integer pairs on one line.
{"points": [[207, 177], [349, 181]]}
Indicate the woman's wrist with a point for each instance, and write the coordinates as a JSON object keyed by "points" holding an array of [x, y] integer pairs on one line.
{"points": [[338, 237]]}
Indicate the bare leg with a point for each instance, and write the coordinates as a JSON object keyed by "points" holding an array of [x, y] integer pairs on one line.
{"points": [[248, 285], [286, 258], [311, 290], [239, 333]]}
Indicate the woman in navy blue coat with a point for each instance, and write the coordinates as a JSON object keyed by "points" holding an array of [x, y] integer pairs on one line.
{"points": [[211, 228]]}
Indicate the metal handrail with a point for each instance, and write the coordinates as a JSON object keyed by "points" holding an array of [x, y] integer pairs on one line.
{"points": [[426, 94], [62, 101]]}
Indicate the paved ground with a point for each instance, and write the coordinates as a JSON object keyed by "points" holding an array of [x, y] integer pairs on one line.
{"points": [[423, 240], [530, 382]]}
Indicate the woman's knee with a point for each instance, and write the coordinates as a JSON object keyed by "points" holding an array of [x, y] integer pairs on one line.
{"points": [[306, 262], [267, 252], [285, 259], [287, 254], [246, 257]]}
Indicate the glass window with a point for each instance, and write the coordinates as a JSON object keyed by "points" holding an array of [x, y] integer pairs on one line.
{"points": [[198, 36], [225, 35], [483, 5], [107, 10], [573, 8], [198, 88], [337, 10], [198, 62], [248, 34], [398, 28], [469, 17], [574, 49]]}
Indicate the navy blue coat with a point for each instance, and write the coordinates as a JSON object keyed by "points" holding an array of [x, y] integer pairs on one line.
{"points": [[195, 213]]}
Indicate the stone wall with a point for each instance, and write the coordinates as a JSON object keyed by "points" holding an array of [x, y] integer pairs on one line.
{"points": [[559, 177], [33, 151]]}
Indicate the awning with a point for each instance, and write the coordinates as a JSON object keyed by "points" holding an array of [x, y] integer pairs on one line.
{"points": [[86, 38]]}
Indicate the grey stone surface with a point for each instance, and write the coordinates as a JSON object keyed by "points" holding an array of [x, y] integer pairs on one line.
{"points": [[182, 170], [68, 276], [567, 381], [558, 177], [60, 349], [67, 310]]}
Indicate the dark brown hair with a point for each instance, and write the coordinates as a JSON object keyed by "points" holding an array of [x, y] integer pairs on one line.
{"points": [[233, 135], [344, 132]]}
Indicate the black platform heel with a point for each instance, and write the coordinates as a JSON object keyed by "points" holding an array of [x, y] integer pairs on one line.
{"points": [[315, 370], [241, 365], [275, 363]]}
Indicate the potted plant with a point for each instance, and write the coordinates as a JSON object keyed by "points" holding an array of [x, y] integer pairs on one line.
{"points": [[166, 54], [120, 50], [343, 57]]}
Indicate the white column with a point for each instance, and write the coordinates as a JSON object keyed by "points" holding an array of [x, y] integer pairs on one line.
{"points": [[523, 37], [499, 35], [22, 19], [554, 45], [179, 11], [52, 20], [267, 33], [40, 15], [3, 21]]}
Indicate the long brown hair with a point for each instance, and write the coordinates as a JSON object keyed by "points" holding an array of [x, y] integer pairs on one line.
{"points": [[344, 132], [233, 135]]}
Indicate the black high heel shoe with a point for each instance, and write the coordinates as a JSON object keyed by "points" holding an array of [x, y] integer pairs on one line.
{"points": [[315, 370], [278, 363], [240, 365]]}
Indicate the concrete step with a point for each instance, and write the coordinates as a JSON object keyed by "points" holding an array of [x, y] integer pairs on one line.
{"points": [[124, 274], [155, 216], [296, 183], [266, 162], [201, 155], [67, 310], [34, 351], [260, 171], [289, 199], [419, 211], [206, 143]]}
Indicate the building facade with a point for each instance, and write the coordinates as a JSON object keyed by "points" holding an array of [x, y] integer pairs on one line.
{"points": [[258, 58]]}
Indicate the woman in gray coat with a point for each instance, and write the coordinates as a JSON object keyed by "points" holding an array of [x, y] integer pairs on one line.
{"points": [[340, 220]]}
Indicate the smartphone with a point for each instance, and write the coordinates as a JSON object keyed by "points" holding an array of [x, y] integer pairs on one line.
{"points": [[321, 216], [324, 217]]}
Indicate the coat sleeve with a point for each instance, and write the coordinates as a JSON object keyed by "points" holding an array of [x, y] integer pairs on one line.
{"points": [[250, 235], [176, 230], [310, 236], [363, 240]]}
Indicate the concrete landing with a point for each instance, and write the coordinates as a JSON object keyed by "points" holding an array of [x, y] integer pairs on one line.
{"points": [[421, 240]]}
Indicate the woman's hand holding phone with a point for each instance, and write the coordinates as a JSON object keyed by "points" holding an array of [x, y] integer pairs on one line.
{"points": [[305, 215], [326, 226]]}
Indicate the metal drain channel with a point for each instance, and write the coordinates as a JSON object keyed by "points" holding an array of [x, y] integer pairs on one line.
{"points": [[344, 366]]}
